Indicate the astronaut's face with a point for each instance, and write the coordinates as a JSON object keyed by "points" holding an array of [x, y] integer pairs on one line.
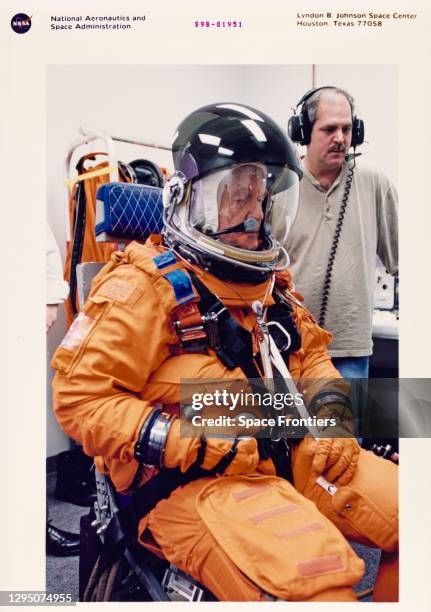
{"points": [[240, 196]]}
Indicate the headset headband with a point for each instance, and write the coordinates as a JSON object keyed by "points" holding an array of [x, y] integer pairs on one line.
{"points": [[311, 92]]}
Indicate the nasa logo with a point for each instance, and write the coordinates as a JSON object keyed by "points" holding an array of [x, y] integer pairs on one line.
{"points": [[20, 23]]}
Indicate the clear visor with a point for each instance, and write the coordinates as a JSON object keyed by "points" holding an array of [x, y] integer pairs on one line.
{"points": [[245, 205], [284, 206]]}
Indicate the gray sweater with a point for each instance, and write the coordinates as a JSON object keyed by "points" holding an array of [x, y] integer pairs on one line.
{"points": [[370, 227]]}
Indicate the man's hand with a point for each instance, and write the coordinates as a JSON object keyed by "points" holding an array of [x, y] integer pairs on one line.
{"points": [[51, 315]]}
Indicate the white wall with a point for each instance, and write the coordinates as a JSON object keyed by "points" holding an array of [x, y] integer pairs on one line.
{"points": [[148, 102]]}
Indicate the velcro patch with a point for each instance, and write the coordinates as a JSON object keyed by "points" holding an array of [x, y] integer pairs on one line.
{"points": [[77, 332], [320, 565], [117, 290], [263, 516], [293, 533], [250, 492]]}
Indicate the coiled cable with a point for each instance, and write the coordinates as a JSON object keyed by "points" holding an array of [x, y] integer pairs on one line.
{"points": [[334, 247]]}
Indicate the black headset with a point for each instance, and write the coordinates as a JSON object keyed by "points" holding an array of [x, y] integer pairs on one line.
{"points": [[299, 127]]}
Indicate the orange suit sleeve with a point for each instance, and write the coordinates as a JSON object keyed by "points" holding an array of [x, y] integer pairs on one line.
{"points": [[103, 364]]}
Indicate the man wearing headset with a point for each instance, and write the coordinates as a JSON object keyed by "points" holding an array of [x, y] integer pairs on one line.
{"points": [[347, 215], [245, 528]]}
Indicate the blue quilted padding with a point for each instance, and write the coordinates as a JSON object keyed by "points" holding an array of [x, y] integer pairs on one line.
{"points": [[129, 211]]}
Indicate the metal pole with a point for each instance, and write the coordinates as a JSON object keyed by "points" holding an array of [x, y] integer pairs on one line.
{"points": [[151, 144]]}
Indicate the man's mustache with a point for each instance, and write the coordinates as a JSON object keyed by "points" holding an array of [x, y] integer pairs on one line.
{"points": [[338, 149]]}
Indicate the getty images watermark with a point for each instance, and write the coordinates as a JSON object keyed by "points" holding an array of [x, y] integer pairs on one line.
{"points": [[272, 412]]}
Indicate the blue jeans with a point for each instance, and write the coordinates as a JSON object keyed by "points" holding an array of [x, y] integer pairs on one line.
{"points": [[352, 367], [355, 367]]}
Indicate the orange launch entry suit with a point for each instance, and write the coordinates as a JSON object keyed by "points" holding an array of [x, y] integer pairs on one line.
{"points": [[247, 533]]}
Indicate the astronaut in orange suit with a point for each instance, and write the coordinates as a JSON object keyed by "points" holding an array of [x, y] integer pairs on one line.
{"points": [[241, 528]]}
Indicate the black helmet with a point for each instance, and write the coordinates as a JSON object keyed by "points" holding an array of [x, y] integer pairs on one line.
{"points": [[223, 154]]}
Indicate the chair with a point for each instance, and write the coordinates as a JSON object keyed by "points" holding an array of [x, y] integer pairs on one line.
{"points": [[126, 212]]}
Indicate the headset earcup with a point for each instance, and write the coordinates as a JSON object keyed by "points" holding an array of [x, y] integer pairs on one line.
{"points": [[297, 129], [294, 129], [358, 132]]}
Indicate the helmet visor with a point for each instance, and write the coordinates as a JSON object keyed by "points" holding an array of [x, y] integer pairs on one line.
{"points": [[245, 206]]}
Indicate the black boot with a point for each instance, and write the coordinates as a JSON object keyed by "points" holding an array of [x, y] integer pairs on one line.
{"points": [[61, 543], [75, 478]]}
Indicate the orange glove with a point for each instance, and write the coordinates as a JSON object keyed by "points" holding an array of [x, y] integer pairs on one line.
{"points": [[182, 452], [335, 458]]}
